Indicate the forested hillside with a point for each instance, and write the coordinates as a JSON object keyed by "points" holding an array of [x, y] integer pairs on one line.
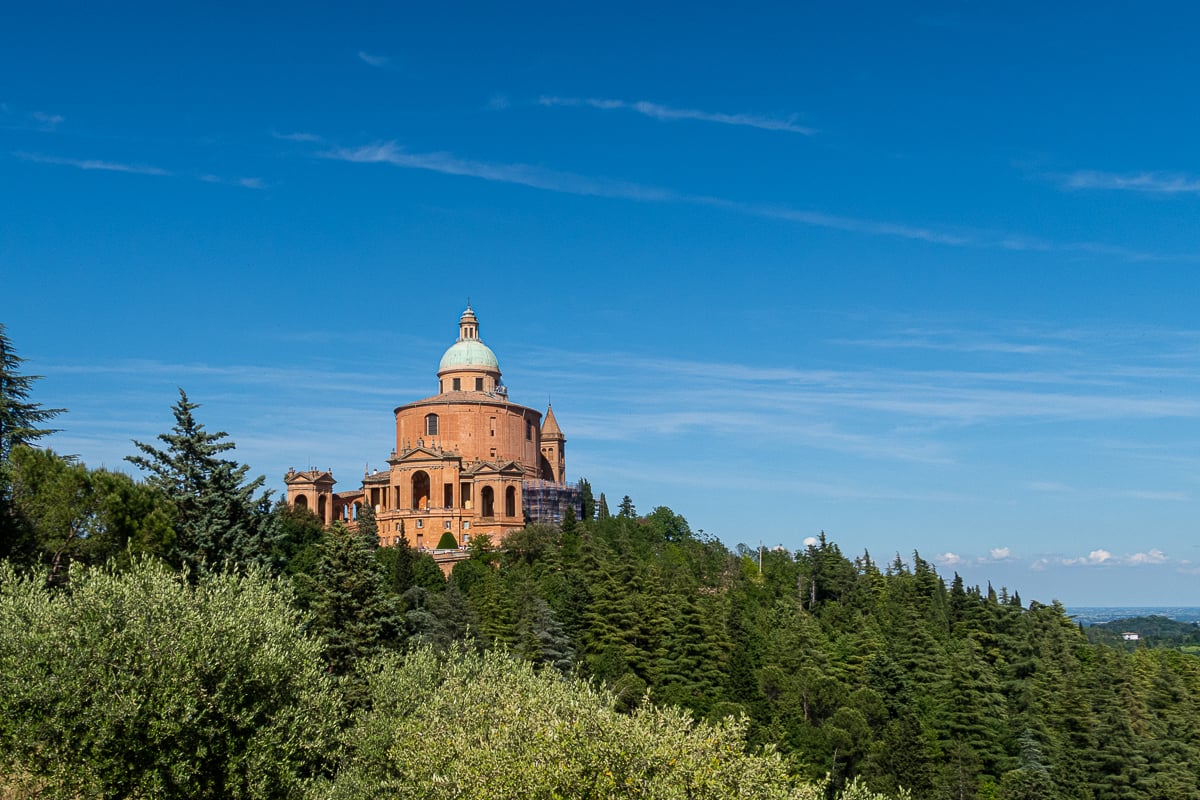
{"points": [[1151, 631], [182, 637]]}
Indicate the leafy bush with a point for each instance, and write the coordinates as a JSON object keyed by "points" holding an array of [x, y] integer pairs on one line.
{"points": [[467, 725], [138, 684], [447, 542]]}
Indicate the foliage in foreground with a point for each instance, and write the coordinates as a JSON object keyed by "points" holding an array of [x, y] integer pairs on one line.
{"points": [[469, 725], [138, 684]]}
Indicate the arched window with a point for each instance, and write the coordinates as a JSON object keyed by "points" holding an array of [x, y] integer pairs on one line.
{"points": [[431, 425], [510, 501], [420, 489], [321, 507], [487, 499], [301, 502]]}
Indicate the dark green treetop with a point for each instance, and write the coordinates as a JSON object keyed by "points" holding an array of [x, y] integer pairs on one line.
{"points": [[219, 517], [20, 419], [21, 423]]}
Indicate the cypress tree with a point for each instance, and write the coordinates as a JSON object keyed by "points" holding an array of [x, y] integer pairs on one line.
{"points": [[587, 501], [366, 526]]}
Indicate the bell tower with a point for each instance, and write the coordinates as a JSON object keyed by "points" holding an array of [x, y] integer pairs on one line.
{"points": [[554, 449]]}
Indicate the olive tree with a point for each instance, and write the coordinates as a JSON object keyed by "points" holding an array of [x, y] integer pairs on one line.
{"points": [[140, 684], [469, 725]]}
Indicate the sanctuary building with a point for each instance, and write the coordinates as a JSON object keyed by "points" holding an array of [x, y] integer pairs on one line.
{"points": [[466, 461]]}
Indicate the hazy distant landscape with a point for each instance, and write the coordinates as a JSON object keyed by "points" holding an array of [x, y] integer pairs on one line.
{"points": [[1096, 614]]}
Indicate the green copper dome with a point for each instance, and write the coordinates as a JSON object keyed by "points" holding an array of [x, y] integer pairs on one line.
{"points": [[469, 353]]}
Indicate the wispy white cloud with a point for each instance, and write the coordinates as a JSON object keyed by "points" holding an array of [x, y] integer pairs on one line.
{"points": [[373, 60], [298, 136], [346, 382], [957, 344], [1156, 495], [245, 183], [521, 174], [667, 113], [1048, 486], [952, 559], [1098, 558], [820, 219], [1147, 182], [498, 102], [135, 169], [1101, 557], [93, 164], [47, 122], [391, 152], [41, 121], [961, 398]]}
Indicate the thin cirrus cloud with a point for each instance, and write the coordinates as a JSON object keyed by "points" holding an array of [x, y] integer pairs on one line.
{"points": [[47, 122], [670, 114], [297, 136], [373, 60], [93, 164], [522, 174], [90, 164], [41, 121], [1146, 182], [573, 183], [245, 183]]}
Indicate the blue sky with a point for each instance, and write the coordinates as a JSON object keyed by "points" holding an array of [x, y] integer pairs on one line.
{"points": [[922, 276]]}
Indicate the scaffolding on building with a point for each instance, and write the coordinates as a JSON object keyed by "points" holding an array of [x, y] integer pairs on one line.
{"points": [[547, 502]]}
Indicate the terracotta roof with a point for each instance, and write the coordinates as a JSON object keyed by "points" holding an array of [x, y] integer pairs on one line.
{"points": [[550, 425]]}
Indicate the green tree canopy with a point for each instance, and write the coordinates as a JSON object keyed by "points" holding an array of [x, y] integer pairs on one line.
{"points": [[467, 725], [219, 517]]}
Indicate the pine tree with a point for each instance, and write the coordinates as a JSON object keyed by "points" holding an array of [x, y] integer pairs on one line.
{"points": [[20, 424], [20, 419], [219, 518], [398, 562], [539, 636], [627, 510], [351, 606], [602, 513]]}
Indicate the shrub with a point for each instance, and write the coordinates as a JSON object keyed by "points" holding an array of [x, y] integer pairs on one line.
{"points": [[138, 684], [466, 725]]}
